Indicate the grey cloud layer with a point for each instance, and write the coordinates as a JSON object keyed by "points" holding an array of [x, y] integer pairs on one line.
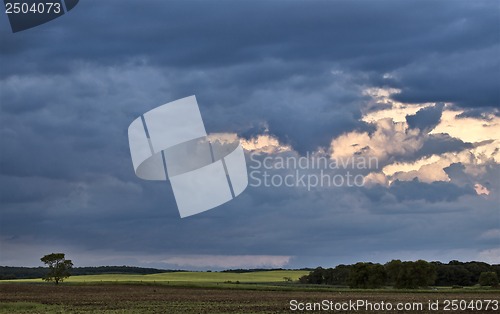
{"points": [[437, 51], [70, 88]]}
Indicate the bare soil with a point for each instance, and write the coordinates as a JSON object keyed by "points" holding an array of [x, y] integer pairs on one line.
{"points": [[41, 298]]}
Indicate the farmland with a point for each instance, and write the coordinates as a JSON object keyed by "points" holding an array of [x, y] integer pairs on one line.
{"points": [[202, 292], [183, 278]]}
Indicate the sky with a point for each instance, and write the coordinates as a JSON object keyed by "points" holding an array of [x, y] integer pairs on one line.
{"points": [[414, 84]]}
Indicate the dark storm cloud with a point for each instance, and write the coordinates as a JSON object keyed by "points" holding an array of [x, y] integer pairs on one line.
{"points": [[297, 70], [439, 51], [257, 46], [480, 113], [311, 221], [457, 174], [402, 191], [426, 119], [431, 192], [436, 144], [468, 79]]}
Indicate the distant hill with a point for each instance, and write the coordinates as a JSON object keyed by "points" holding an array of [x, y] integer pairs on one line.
{"points": [[252, 270], [8, 272]]}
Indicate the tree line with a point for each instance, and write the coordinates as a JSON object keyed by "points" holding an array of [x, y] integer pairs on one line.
{"points": [[8, 272], [406, 275]]}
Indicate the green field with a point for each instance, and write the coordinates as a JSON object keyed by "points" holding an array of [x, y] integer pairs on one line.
{"points": [[186, 277]]}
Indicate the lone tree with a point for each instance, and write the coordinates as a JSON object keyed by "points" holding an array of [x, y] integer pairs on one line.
{"points": [[59, 267]]}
